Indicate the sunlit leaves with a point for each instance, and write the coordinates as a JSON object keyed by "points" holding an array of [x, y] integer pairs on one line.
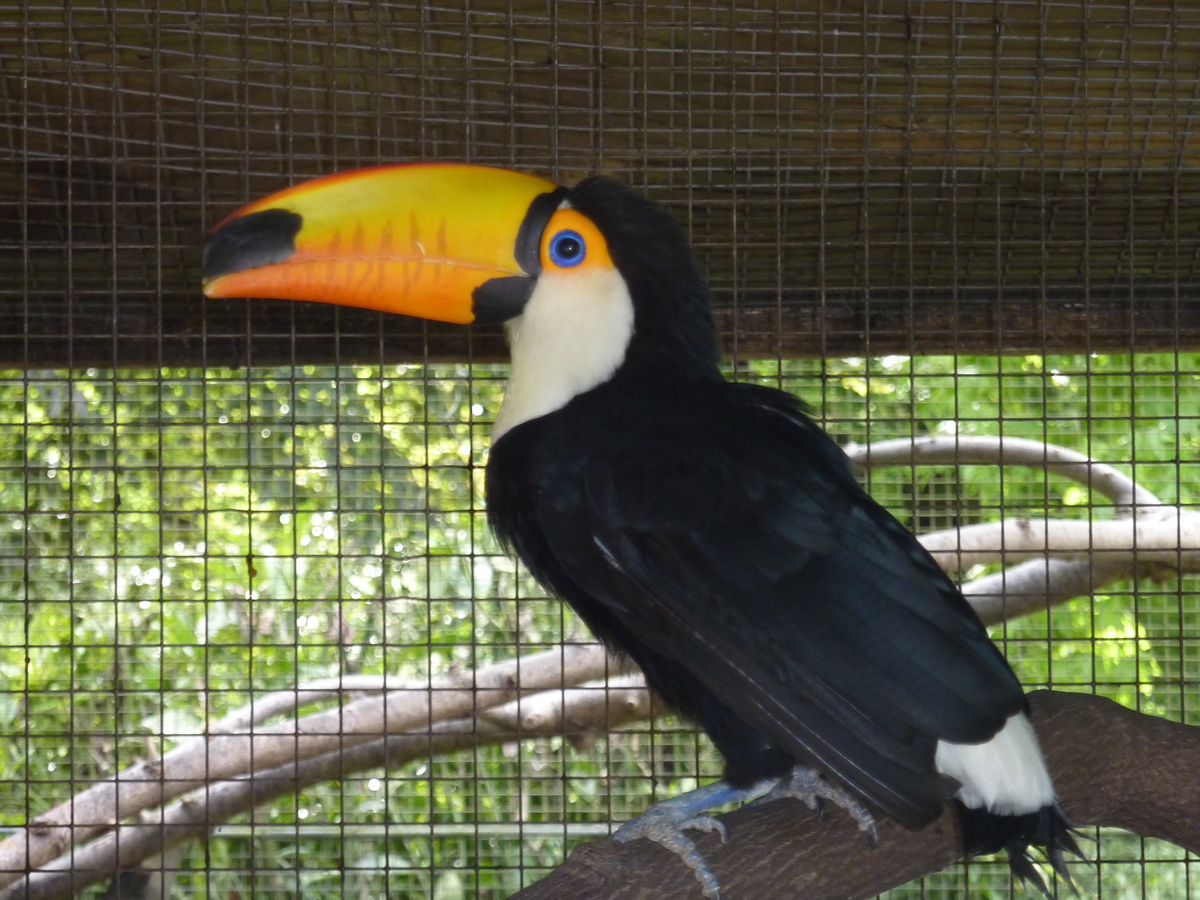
{"points": [[171, 540]]}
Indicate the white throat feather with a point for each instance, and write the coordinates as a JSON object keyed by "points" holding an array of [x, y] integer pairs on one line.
{"points": [[571, 337]]}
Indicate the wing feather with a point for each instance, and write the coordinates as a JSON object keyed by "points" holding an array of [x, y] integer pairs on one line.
{"points": [[728, 534]]}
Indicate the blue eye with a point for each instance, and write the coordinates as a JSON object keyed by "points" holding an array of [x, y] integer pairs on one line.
{"points": [[567, 249]]}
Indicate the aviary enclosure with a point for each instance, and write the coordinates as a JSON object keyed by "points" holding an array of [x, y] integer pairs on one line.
{"points": [[251, 615]]}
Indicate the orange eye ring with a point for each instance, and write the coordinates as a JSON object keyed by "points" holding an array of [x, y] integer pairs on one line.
{"points": [[572, 243]]}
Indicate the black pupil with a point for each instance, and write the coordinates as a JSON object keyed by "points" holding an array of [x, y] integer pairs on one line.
{"points": [[568, 247]]}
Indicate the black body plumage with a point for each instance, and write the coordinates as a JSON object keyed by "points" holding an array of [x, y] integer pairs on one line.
{"points": [[711, 532], [717, 536]]}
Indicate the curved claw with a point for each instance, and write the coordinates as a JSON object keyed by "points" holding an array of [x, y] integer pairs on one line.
{"points": [[659, 823], [665, 822], [665, 825], [813, 790]]}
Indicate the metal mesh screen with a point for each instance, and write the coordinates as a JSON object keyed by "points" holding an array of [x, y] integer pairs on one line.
{"points": [[941, 219]]}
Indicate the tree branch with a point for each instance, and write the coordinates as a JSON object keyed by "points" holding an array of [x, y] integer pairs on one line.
{"points": [[278, 703], [1038, 584], [961, 450], [1043, 581], [1142, 776], [1163, 536], [226, 755], [576, 713]]}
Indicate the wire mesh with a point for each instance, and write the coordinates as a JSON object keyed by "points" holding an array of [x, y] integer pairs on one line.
{"points": [[926, 218]]}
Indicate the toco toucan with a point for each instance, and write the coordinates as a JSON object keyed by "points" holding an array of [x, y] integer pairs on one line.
{"points": [[707, 530]]}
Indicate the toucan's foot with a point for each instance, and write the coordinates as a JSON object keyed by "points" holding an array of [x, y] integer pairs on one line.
{"points": [[666, 821], [813, 790], [666, 827]]}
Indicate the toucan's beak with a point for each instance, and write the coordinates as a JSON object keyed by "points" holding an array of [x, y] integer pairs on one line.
{"points": [[456, 243]]}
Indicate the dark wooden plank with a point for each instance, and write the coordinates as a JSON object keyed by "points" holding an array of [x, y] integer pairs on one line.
{"points": [[95, 330]]}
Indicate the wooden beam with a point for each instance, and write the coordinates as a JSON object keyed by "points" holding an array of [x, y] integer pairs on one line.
{"points": [[139, 331]]}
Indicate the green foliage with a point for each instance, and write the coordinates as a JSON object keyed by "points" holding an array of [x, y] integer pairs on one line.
{"points": [[172, 540]]}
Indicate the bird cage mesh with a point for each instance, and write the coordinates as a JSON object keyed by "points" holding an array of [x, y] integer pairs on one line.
{"points": [[949, 220]]}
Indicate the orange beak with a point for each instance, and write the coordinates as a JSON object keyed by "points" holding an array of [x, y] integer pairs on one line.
{"points": [[455, 243]]}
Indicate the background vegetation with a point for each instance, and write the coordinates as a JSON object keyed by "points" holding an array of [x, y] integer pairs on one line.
{"points": [[171, 541]]}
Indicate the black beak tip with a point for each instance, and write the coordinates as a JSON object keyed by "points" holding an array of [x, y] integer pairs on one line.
{"points": [[248, 242]]}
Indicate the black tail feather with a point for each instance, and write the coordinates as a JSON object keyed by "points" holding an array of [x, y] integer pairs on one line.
{"points": [[1047, 829]]}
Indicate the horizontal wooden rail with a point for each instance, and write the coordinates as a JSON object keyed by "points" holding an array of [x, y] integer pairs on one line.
{"points": [[143, 331]]}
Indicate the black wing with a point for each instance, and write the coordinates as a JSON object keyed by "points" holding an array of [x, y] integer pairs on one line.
{"points": [[724, 531]]}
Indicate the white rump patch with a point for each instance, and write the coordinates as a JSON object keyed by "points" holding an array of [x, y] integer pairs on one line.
{"points": [[570, 338], [1006, 775]]}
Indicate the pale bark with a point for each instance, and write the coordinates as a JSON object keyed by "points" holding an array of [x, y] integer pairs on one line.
{"points": [[1163, 537], [227, 755], [1038, 584], [278, 703], [962, 450], [579, 714]]}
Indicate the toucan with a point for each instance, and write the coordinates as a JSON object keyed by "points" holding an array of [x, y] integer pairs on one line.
{"points": [[706, 529]]}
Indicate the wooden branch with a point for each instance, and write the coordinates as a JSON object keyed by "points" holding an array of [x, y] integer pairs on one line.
{"points": [[226, 755], [961, 450], [1038, 584], [278, 703], [1142, 776], [1162, 536], [575, 713]]}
